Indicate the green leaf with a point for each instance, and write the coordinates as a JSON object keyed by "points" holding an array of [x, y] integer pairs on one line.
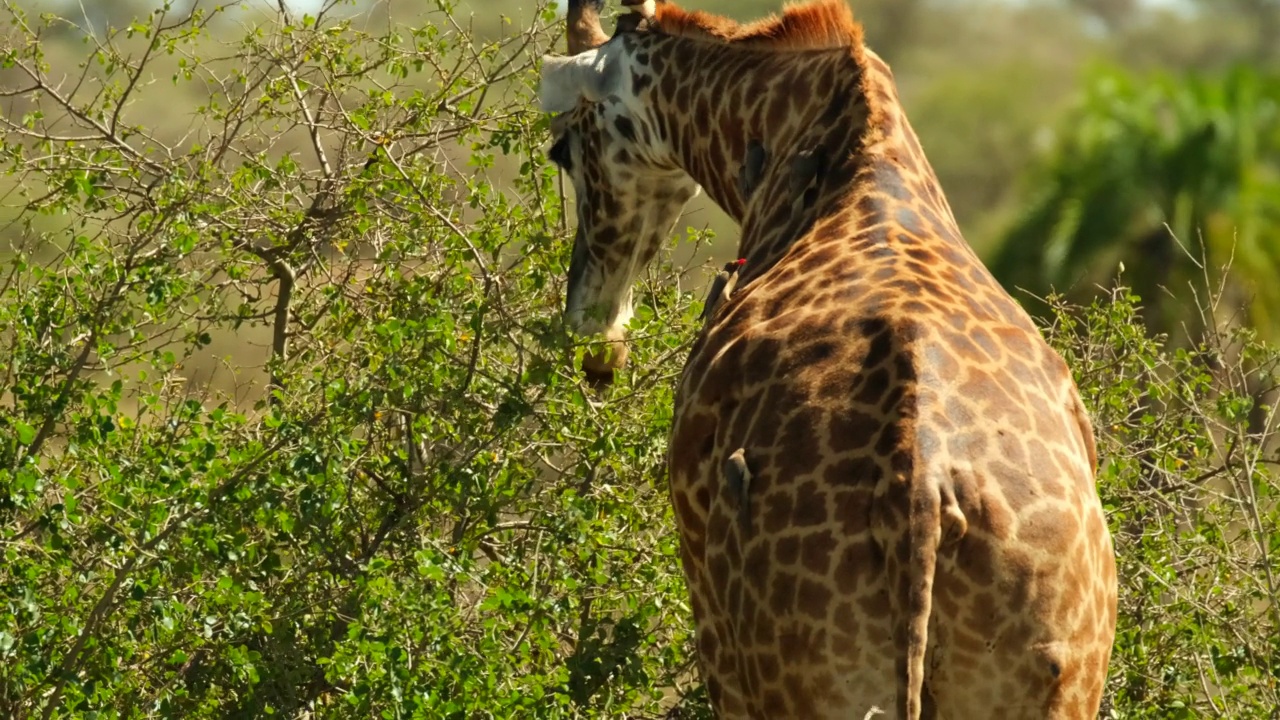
{"points": [[26, 433]]}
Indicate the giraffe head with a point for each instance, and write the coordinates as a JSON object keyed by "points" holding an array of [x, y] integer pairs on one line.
{"points": [[629, 188]]}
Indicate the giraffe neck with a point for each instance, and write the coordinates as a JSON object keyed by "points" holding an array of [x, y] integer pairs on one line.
{"points": [[833, 134]]}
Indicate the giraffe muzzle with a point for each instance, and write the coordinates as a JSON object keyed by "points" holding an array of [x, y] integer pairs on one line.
{"points": [[600, 365]]}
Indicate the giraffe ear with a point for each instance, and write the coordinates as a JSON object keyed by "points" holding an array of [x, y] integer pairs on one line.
{"points": [[590, 75]]}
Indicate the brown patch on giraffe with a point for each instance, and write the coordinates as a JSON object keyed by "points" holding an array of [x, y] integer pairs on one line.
{"points": [[856, 566], [759, 564], [777, 512], [833, 386], [686, 511], [814, 599], [765, 636], [1044, 467], [915, 307], [813, 354], [810, 506], [775, 704], [880, 250], [965, 639], [945, 599], [868, 393], [957, 321], [816, 552], [819, 258], [891, 436], [1019, 633], [880, 339], [875, 604], [785, 276], [901, 464], [847, 621], [853, 508], [782, 593], [761, 361], [906, 241], [786, 298], [800, 434], [703, 497], [715, 691], [986, 343], [787, 550], [869, 208], [873, 235], [718, 566], [777, 112], [745, 417], [822, 686], [924, 258], [1017, 342], [709, 644], [1018, 486], [801, 642], [999, 393], [859, 472], [911, 225], [976, 558]]}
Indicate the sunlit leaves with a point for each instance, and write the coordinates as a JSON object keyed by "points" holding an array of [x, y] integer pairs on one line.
{"points": [[416, 518]]}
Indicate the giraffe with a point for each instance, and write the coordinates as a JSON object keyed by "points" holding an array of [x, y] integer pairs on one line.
{"points": [[882, 475]]}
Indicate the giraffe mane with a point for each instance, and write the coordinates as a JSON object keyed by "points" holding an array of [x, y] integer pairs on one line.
{"points": [[814, 25]]}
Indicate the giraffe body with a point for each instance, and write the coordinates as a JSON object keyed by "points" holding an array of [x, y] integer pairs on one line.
{"points": [[881, 473], [810, 602]]}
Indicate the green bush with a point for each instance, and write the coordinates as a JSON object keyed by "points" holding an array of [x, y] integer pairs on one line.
{"points": [[1187, 477], [406, 504], [288, 426], [1165, 173]]}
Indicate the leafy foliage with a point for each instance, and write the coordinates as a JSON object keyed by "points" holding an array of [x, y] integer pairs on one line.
{"points": [[396, 498], [1191, 495], [423, 513], [1164, 175]]}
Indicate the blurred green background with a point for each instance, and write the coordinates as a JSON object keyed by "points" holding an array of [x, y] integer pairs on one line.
{"points": [[1074, 138]]}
